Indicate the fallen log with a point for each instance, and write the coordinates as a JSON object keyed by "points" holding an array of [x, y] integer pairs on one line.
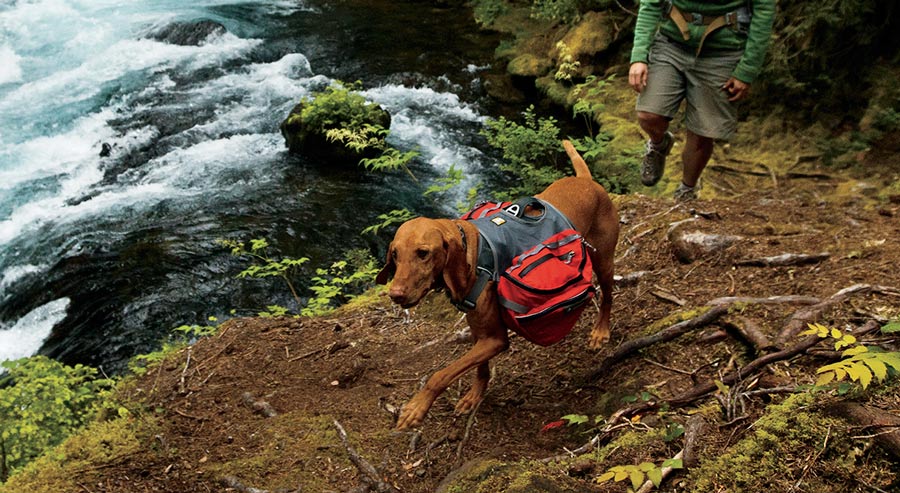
{"points": [[810, 314]]}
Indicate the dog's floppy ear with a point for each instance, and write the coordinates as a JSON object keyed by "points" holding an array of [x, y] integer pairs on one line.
{"points": [[388, 270], [456, 269]]}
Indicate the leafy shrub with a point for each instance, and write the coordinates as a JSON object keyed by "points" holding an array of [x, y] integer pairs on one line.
{"points": [[338, 283], [345, 113], [561, 10], [44, 402], [859, 363], [529, 150], [487, 11]]}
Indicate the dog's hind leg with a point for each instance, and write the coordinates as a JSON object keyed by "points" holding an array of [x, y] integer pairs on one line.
{"points": [[603, 268]]}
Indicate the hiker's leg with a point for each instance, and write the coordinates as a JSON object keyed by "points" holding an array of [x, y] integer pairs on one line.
{"points": [[653, 125], [695, 156]]}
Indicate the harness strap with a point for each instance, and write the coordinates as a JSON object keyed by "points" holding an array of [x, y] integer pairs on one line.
{"points": [[712, 23], [484, 272]]}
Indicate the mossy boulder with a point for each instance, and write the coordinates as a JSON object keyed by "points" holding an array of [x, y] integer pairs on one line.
{"points": [[336, 125], [593, 35], [529, 65]]}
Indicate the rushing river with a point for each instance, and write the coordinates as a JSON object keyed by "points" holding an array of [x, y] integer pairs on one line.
{"points": [[100, 257]]}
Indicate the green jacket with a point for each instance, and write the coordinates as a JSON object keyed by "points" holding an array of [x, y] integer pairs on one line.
{"points": [[754, 43]]}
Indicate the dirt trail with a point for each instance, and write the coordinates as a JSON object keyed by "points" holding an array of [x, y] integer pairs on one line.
{"points": [[359, 365]]}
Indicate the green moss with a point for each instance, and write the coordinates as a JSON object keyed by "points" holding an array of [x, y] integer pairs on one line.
{"points": [[788, 434], [82, 456], [292, 438]]}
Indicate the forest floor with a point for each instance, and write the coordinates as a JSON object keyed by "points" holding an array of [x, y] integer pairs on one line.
{"points": [[257, 406]]}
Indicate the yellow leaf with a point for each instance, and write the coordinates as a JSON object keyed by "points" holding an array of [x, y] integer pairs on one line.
{"points": [[636, 419], [865, 376], [620, 475], [637, 478], [836, 334], [878, 368], [825, 378], [646, 466], [605, 477]]}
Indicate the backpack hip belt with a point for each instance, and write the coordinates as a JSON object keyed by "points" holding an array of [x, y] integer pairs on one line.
{"points": [[738, 20]]}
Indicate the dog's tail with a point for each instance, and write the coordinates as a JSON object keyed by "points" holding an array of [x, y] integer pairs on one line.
{"points": [[581, 167]]}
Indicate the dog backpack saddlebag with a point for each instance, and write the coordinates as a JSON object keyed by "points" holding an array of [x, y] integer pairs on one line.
{"points": [[546, 288]]}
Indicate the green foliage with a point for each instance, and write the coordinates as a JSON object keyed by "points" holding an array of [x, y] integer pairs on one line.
{"points": [[359, 138], [338, 107], [891, 327], [44, 402], [454, 177], [562, 10], [264, 266], [568, 66], [389, 160], [529, 151], [637, 473], [353, 274], [395, 216], [487, 11], [859, 363]]}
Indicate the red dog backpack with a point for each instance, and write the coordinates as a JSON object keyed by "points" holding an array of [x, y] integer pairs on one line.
{"points": [[541, 266]]}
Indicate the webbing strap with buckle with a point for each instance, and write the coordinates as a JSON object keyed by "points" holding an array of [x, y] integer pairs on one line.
{"points": [[712, 23]]}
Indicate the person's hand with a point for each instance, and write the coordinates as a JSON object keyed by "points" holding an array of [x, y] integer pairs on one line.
{"points": [[637, 76], [736, 89]]}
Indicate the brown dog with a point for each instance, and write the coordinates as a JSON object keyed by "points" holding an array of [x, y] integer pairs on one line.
{"points": [[431, 254]]}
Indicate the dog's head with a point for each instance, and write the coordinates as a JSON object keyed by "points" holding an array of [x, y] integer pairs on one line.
{"points": [[425, 254]]}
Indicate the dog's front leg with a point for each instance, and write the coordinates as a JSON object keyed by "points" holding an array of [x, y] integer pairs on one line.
{"points": [[414, 411]]}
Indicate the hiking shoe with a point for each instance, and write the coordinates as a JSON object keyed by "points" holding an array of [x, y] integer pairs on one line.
{"points": [[685, 193], [655, 159]]}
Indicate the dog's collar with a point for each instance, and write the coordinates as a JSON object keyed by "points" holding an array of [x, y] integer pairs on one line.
{"points": [[484, 271]]}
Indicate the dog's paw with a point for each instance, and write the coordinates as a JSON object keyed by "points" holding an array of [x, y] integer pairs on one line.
{"points": [[469, 401], [598, 338], [412, 414]]}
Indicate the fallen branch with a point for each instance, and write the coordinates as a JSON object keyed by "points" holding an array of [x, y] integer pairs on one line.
{"points": [[750, 332], [187, 364], [785, 259], [693, 431], [800, 300], [805, 316], [627, 348], [367, 471]]}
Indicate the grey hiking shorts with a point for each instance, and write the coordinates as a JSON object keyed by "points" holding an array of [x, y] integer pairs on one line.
{"points": [[675, 73]]}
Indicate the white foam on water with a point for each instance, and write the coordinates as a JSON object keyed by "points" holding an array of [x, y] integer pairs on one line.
{"points": [[10, 71], [18, 272], [25, 337]]}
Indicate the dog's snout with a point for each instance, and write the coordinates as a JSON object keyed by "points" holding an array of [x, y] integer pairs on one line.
{"points": [[397, 295]]}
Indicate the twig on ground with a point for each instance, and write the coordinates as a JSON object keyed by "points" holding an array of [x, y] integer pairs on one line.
{"points": [[693, 431], [187, 364], [801, 318], [367, 471], [800, 300], [234, 483], [465, 437], [785, 259]]}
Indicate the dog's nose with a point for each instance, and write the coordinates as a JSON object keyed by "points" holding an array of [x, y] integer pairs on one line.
{"points": [[397, 295]]}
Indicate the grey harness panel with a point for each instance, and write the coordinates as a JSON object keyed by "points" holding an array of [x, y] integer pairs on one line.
{"points": [[508, 233]]}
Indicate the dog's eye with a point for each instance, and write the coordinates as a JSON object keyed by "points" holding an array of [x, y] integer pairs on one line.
{"points": [[422, 253]]}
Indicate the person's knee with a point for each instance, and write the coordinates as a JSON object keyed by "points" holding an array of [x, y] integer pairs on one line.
{"points": [[651, 120]]}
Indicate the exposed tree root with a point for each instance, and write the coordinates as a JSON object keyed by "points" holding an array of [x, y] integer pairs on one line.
{"points": [[629, 347], [883, 427], [785, 259]]}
